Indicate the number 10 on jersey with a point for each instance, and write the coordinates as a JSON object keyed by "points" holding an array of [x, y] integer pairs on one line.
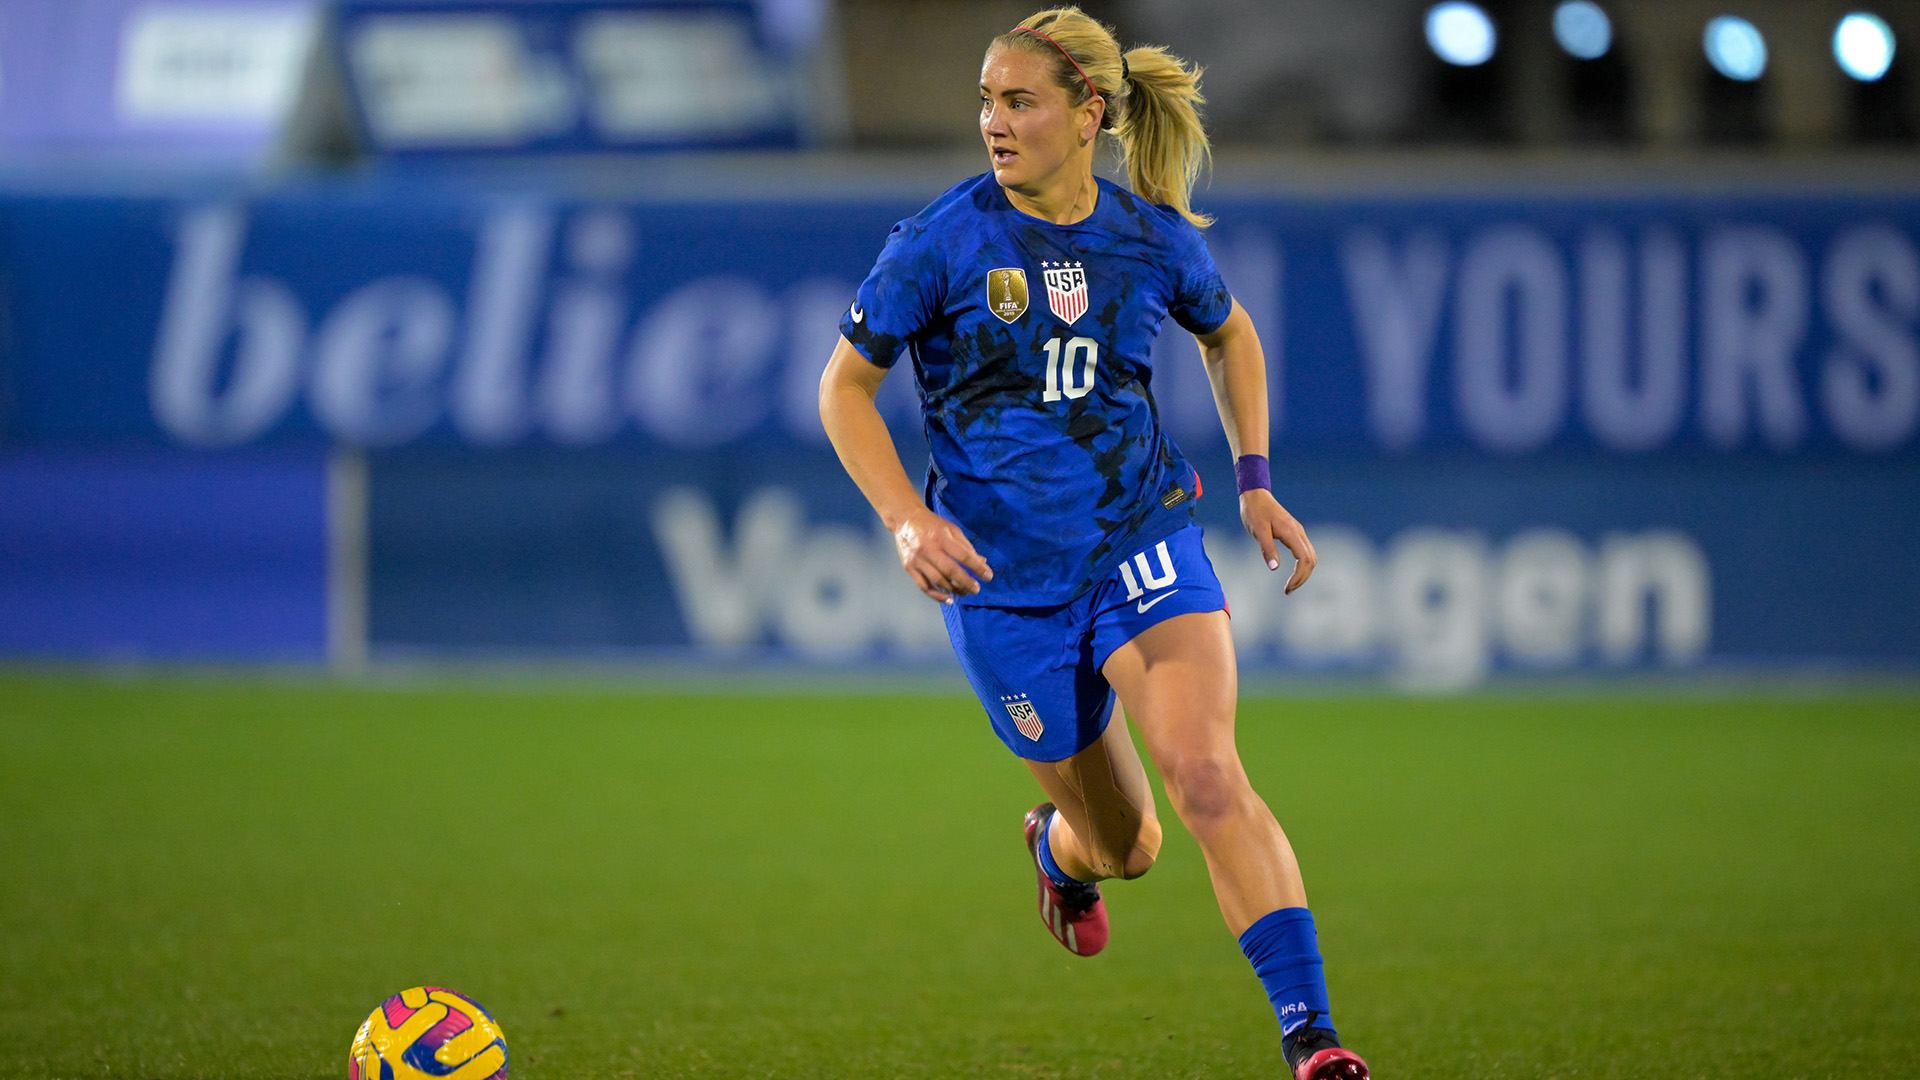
{"points": [[1070, 365]]}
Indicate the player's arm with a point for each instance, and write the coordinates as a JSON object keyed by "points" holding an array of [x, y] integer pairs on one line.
{"points": [[933, 550], [1237, 368]]}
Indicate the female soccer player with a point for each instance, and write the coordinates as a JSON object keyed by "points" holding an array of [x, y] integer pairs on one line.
{"points": [[1056, 523]]}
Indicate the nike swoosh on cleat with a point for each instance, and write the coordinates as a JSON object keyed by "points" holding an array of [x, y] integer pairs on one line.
{"points": [[858, 315], [1143, 605]]}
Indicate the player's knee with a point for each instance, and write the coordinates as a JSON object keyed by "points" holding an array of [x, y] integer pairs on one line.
{"points": [[1205, 788]]}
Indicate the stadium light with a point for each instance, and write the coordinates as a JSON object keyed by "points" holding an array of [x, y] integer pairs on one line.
{"points": [[1582, 29], [1735, 48], [1460, 33], [1863, 44]]}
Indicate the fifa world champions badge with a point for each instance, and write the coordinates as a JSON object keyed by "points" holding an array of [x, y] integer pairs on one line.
{"points": [[1007, 293], [1067, 291], [1024, 716]]}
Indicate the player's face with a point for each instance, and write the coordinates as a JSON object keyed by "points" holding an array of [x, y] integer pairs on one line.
{"points": [[1032, 131]]}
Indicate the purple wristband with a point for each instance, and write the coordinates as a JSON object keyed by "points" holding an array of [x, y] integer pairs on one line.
{"points": [[1251, 471]]}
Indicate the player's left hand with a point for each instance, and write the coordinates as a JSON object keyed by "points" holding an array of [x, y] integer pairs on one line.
{"points": [[1267, 521]]}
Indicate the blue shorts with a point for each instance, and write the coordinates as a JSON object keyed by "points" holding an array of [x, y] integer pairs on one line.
{"points": [[1037, 669]]}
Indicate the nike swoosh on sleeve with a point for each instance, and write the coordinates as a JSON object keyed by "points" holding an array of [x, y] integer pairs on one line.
{"points": [[1143, 605], [858, 315]]}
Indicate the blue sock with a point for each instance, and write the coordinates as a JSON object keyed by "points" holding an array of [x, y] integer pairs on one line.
{"points": [[1286, 955], [1052, 868]]}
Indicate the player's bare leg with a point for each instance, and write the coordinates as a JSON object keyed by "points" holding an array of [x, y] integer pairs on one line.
{"points": [[1101, 824], [1179, 682], [1107, 825]]}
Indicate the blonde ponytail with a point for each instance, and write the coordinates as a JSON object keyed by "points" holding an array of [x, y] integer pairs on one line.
{"points": [[1161, 141], [1152, 97]]}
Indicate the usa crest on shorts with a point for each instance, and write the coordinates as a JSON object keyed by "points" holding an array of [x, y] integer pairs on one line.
{"points": [[1066, 290], [1024, 716]]}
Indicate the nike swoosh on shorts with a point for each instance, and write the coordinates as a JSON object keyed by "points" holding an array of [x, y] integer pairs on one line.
{"points": [[1143, 605], [858, 315]]}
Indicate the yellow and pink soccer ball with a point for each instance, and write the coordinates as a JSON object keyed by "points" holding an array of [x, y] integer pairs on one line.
{"points": [[428, 1032]]}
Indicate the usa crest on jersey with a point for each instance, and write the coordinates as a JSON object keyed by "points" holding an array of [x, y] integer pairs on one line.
{"points": [[1067, 291]]}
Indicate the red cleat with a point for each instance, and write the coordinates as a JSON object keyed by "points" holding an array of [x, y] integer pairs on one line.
{"points": [[1333, 1063], [1075, 916]]}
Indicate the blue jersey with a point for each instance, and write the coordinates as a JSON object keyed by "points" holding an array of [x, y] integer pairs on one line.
{"points": [[1032, 345]]}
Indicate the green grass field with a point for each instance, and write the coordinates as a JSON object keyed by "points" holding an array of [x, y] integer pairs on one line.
{"points": [[207, 877]]}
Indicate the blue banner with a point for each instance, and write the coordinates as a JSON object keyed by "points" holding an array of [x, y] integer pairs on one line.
{"points": [[1570, 434], [163, 556], [1435, 571], [1626, 327]]}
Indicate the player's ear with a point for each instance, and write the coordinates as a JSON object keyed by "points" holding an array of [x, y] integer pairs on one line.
{"points": [[1095, 116]]}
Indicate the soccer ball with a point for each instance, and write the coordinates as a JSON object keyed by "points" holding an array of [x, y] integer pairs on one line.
{"points": [[428, 1031]]}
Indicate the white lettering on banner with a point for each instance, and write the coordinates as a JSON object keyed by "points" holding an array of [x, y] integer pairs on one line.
{"points": [[1542, 597], [1438, 605], [1625, 409], [1754, 319], [1434, 610], [826, 592], [576, 397], [565, 351], [1435, 599], [825, 611], [695, 372], [1755, 313], [216, 64], [721, 586], [456, 78], [377, 361], [1667, 570], [489, 392], [1395, 300], [697, 369], [1511, 277], [662, 73], [1871, 381], [205, 307]]}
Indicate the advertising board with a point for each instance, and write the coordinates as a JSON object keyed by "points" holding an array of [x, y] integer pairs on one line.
{"points": [[191, 81], [1710, 328], [433, 76], [1566, 434]]}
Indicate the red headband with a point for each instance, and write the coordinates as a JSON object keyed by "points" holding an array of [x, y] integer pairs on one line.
{"points": [[1063, 52]]}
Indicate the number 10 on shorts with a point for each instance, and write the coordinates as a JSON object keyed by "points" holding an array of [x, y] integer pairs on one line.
{"points": [[1079, 355], [1148, 580]]}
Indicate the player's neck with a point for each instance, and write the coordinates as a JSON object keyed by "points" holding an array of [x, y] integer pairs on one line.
{"points": [[1065, 201]]}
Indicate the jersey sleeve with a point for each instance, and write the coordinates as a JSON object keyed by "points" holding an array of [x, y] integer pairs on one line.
{"points": [[1201, 301], [900, 297]]}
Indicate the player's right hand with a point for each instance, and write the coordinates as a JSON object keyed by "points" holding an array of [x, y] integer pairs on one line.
{"points": [[939, 557]]}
